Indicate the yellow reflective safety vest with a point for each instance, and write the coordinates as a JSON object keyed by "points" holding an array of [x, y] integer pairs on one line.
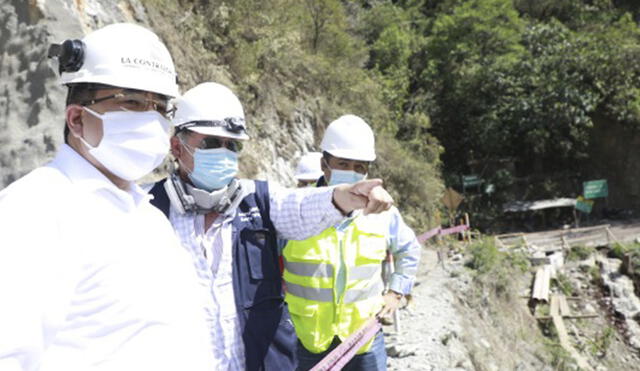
{"points": [[313, 268]]}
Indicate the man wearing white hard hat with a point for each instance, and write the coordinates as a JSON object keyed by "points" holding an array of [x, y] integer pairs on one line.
{"points": [[231, 226], [308, 170], [92, 276], [334, 283]]}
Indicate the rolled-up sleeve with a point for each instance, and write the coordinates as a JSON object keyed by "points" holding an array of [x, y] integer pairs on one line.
{"points": [[406, 253], [300, 213]]}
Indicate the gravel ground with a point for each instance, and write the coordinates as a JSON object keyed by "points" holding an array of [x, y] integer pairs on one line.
{"points": [[430, 326]]}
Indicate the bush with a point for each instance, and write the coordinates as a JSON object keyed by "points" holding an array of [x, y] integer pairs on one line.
{"points": [[579, 253], [485, 256]]}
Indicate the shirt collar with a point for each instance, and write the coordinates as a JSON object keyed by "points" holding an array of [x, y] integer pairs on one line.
{"points": [[82, 172]]}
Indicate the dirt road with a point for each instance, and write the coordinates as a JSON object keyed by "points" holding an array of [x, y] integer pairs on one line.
{"points": [[430, 326]]}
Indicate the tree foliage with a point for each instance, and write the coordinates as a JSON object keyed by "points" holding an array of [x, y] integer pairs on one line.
{"points": [[511, 88], [508, 89]]}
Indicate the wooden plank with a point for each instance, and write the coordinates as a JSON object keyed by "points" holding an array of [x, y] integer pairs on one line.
{"points": [[584, 229], [576, 316], [613, 236], [540, 290], [510, 235], [563, 336], [565, 311], [577, 240]]}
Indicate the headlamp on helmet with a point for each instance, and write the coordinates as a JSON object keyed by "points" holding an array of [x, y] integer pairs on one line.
{"points": [[70, 55]]}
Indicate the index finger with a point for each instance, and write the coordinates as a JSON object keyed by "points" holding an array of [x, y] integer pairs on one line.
{"points": [[364, 187]]}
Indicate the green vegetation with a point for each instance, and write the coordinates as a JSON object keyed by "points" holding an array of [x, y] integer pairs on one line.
{"points": [[619, 250], [496, 269], [579, 253], [600, 344], [633, 251], [564, 284], [561, 360], [312, 55], [506, 89]]}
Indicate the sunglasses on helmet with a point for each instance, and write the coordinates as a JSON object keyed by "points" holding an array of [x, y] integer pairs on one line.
{"points": [[231, 124]]}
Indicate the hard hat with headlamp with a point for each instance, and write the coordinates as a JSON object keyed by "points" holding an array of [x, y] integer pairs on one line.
{"points": [[211, 109], [349, 137], [121, 55]]}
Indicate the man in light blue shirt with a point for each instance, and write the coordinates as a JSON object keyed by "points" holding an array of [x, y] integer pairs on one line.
{"points": [[333, 279]]}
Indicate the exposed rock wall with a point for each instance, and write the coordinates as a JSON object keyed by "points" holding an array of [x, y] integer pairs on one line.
{"points": [[32, 101]]}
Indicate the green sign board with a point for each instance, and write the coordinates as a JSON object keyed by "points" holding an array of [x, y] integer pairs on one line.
{"points": [[595, 189], [584, 205], [471, 181]]}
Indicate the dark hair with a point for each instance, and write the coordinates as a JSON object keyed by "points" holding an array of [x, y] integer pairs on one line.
{"points": [[81, 92], [326, 155]]}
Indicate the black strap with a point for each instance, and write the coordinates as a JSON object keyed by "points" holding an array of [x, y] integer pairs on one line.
{"points": [[160, 198]]}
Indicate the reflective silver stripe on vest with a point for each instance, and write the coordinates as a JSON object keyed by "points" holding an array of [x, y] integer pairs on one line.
{"points": [[365, 272], [352, 296], [309, 269], [310, 293]]}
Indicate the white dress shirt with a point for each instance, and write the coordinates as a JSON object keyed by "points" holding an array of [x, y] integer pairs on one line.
{"points": [[93, 278]]}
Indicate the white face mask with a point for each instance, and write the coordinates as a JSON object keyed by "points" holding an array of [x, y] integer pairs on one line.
{"points": [[133, 143]]}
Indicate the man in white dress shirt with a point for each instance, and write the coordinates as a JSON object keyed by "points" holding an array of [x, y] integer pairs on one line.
{"points": [[92, 277]]}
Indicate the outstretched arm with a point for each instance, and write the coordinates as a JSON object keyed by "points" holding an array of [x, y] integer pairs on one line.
{"points": [[301, 213]]}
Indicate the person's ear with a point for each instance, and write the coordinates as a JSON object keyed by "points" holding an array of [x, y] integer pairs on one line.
{"points": [[73, 118], [323, 165], [176, 146], [326, 170]]}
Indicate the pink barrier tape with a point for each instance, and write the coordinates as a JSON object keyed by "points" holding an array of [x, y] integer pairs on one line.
{"points": [[427, 235], [442, 232], [344, 352], [452, 230], [370, 333]]}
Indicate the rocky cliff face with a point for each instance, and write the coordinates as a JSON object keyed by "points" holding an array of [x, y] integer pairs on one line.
{"points": [[32, 101]]}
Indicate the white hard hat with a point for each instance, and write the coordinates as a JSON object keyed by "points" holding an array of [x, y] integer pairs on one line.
{"points": [[309, 167], [211, 109], [351, 138], [124, 55]]}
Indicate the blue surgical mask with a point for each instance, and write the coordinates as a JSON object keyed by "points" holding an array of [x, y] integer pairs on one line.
{"points": [[213, 168], [345, 177]]}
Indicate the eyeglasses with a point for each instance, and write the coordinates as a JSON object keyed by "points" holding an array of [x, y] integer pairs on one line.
{"points": [[231, 124], [215, 142], [137, 102]]}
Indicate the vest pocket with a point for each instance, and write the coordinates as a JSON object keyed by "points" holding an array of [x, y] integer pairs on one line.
{"points": [[260, 248]]}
